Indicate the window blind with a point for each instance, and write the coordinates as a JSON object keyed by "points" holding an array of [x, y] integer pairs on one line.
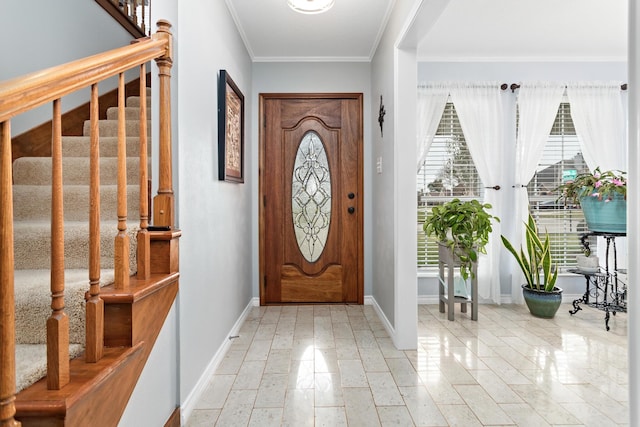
{"points": [[446, 173], [561, 161]]}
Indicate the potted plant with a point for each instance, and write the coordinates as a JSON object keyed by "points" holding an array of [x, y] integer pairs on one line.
{"points": [[587, 262], [463, 227], [540, 292], [603, 198]]}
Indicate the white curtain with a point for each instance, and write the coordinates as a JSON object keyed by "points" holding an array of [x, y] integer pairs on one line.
{"points": [[597, 114], [480, 110], [432, 98], [537, 108]]}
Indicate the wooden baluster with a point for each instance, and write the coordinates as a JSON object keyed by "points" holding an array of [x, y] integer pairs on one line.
{"points": [[58, 322], [94, 310], [145, 7], [134, 12], [7, 302], [121, 279], [163, 203], [144, 251]]}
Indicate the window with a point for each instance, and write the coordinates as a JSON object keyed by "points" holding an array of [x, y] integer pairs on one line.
{"points": [[561, 160], [446, 173]]}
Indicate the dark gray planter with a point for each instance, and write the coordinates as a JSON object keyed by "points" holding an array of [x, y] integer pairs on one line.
{"points": [[542, 304]]}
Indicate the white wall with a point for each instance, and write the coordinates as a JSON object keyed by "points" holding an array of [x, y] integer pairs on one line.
{"points": [[87, 30], [215, 217], [516, 72], [307, 77], [394, 281], [157, 392]]}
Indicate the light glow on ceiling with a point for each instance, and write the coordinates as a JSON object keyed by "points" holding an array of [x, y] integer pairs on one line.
{"points": [[310, 7]]}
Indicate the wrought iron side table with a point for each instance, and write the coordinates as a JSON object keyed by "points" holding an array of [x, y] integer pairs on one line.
{"points": [[604, 290]]}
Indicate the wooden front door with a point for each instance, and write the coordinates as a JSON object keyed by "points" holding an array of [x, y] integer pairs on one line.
{"points": [[311, 218]]}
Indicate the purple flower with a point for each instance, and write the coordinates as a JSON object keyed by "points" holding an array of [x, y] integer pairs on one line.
{"points": [[598, 184], [617, 182]]}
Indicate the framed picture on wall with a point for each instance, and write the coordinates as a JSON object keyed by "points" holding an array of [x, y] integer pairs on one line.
{"points": [[230, 130]]}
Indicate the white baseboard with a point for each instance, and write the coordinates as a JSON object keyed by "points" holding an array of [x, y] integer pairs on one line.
{"points": [[504, 299], [187, 407], [370, 300]]}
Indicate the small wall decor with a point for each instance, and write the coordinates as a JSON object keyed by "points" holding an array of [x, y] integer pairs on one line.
{"points": [[230, 130], [381, 115]]}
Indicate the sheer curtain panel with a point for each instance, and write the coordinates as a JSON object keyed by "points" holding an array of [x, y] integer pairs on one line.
{"points": [[537, 108], [480, 111], [596, 110], [432, 98]]}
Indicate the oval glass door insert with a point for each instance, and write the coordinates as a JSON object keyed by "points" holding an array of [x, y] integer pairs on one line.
{"points": [[311, 196]]}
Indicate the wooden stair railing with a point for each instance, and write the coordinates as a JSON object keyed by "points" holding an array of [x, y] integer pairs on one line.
{"points": [[131, 14], [28, 92]]}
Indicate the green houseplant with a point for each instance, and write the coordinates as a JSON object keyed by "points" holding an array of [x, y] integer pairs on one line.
{"points": [[598, 184], [602, 197], [464, 227], [540, 292]]}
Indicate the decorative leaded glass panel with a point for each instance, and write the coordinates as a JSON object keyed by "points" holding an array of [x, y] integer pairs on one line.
{"points": [[311, 196]]}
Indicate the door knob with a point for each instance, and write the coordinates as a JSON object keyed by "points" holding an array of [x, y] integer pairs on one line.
{"points": [[351, 209], [351, 195]]}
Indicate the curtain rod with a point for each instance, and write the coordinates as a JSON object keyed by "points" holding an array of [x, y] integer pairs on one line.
{"points": [[515, 86]]}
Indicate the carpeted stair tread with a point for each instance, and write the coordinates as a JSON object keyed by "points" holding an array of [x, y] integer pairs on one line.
{"points": [[31, 362], [32, 233], [110, 128], [130, 113], [75, 170], [33, 202], [134, 101], [79, 146], [32, 244], [33, 303]]}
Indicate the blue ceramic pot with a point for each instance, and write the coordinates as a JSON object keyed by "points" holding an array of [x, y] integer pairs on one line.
{"points": [[605, 216], [542, 304]]}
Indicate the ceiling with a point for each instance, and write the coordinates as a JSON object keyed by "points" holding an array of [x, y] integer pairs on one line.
{"points": [[506, 30], [349, 31]]}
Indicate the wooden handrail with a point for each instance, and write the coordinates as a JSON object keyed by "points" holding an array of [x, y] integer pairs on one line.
{"points": [[33, 90]]}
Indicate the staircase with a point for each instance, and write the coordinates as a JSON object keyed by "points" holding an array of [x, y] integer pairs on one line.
{"points": [[82, 275], [32, 226]]}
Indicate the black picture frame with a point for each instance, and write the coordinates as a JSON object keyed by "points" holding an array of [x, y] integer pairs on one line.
{"points": [[230, 130]]}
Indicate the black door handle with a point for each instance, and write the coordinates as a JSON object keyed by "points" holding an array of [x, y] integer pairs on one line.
{"points": [[351, 195], [351, 209]]}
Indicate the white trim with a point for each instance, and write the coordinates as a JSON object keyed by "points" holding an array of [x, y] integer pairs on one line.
{"points": [[429, 58], [311, 59], [382, 28], [504, 299], [370, 300], [192, 399], [236, 20]]}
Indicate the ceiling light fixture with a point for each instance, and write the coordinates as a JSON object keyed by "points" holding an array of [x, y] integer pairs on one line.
{"points": [[310, 7]]}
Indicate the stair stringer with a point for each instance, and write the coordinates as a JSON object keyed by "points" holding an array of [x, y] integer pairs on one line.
{"points": [[101, 391]]}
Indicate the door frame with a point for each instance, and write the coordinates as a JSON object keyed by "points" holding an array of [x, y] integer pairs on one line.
{"points": [[261, 196]]}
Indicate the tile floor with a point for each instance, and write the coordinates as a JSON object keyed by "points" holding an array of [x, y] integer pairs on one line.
{"points": [[336, 366]]}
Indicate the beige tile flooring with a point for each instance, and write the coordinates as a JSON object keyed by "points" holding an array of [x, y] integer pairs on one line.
{"points": [[335, 365]]}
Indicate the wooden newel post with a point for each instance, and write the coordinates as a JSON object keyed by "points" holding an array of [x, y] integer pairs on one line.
{"points": [[7, 314], [163, 203]]}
